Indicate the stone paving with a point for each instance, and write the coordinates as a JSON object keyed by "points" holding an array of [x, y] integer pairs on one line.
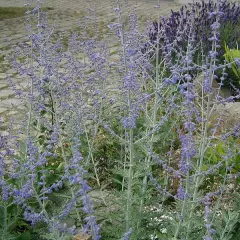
{"points": [[66, 12]]}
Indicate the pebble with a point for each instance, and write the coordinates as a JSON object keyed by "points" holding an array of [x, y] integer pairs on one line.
{"points": [[6, 93], [3, 85], [14, 29], [3, 76], [2, 110], [9, 103]]}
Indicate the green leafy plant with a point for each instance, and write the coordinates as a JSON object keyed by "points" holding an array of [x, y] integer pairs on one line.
{"points": [[231, 55]]}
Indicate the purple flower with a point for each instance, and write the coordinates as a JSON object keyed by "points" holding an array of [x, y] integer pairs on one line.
{"points": [[95, 229], [33, 217], [24, 193], [127, 235], [5, 190], [77, 178], [207, 87], [237, 61], [207, 237], [187, 153], [213, 54], [190, 126], [181, 194], [215, 26], [129, 122], [67, 209]]}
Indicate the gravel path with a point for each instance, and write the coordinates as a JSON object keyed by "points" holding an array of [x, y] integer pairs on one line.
{"points": [[67, 12]]}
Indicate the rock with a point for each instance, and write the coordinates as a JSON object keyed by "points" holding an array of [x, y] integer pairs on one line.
{"points": [[225, 92], [216, 90], [113, 50], [4, 133], [11, 113], [18, 77], [6, 93], [4, 45], [80, 236], [3, 76], [23, 85], [2, 110], [184, 2], [229, 113], [11, 71], [114, 58], [17, 36], [3, 85], [9, 103]]}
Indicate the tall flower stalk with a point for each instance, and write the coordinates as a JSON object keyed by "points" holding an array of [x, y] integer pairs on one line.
{"points": [[141, 117]]}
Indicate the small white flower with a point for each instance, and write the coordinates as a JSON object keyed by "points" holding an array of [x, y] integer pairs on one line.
{"points": [[152, 237], [163, 230]]}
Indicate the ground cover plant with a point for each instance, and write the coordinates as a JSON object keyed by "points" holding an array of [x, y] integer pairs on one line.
{"points": [[14, 12], [131, 148]]}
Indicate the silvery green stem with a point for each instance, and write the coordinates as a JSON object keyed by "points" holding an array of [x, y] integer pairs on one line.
{"points": [[130, 137], [219, 200], [130, 177], [90, 155], [187, 176], [90, 147], [63, 152], [4, 235], [204, 141], [40, 203], [154, 118], [124, 164]]}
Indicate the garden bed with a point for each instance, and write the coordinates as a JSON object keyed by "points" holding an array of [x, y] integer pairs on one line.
{"points": [[130, 142]]}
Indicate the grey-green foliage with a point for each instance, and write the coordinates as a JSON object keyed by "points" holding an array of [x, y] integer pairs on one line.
{"points": [[229, 226], [229, 221], [10, 217]]}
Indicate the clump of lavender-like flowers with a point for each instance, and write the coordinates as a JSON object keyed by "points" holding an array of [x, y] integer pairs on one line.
{"points": [[156, 106]]}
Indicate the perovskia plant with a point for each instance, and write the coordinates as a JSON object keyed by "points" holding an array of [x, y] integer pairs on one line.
{"points": [[149, 103]]}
